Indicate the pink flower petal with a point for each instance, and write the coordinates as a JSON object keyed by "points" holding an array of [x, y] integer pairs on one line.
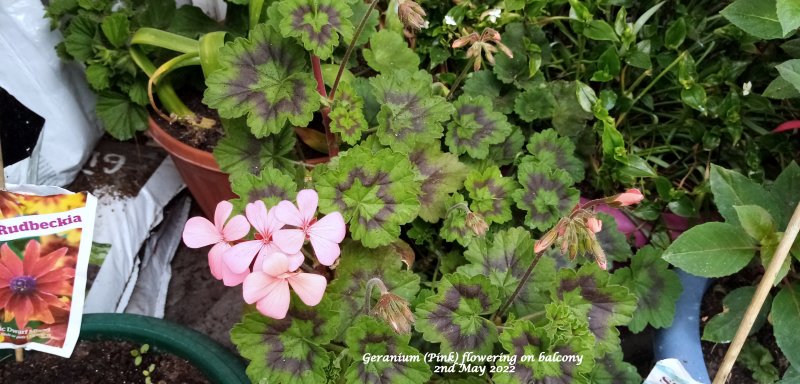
{"points": [[289, 240], [200, 232], [295, 261], [257, 216], [331, 227], [273, 224], [287, 213], [326, 251], [239, 257], [237, 228], [309, 287], [220, 270], [275, 264], [307, 201], [276, 303], [265, 252], [221, 213], [257, 285]]}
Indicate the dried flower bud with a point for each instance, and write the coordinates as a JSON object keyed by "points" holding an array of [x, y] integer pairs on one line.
{"points": [[394, 310], [476, 223], [412, 15], [464, 40], [629, 197], [599, 254], [594, 224], [546, 241]]}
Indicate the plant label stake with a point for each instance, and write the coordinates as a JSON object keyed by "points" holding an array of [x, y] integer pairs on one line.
{"points": [[45, 240], [759, 297]]}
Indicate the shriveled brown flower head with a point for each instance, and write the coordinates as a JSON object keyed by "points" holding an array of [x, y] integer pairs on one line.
{"points": [[487, 43], [395, 311], [411, 15]]}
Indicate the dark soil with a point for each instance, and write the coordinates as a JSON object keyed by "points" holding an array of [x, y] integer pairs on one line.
{"points": [[200, 138], [99, 362], [19, 128], [712, 305]]}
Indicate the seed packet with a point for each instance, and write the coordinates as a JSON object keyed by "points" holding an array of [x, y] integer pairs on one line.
{"points": [[45, 240]]}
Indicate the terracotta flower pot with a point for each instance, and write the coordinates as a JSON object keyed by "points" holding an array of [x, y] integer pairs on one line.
{"points": [[206, 182]]}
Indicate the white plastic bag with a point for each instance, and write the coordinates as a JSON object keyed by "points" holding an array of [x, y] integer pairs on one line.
{"points": [[31, 71]]}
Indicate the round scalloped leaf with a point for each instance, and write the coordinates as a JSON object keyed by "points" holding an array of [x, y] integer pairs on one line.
{"points": [[484, 83], [590, 294], [359, 9], [514, 69], [563, 334], [655, 285], [546, 194], [535, 103], [410, 113], [569, 118], [454, 227], [389, 52], [453, 318], [371, 337], [376, 192], [443, 174], [270, 185], [490, 193], [264, 78], [347, 115], [506, 152], [548, 148], [240, 152], [315, 23], [356, 266], [475, 127], [504, 259], [611, 369], [287, 350]]}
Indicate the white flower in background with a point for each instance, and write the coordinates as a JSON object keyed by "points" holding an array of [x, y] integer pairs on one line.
{"points": [[492, 14], [746, 87], [449, 20]]}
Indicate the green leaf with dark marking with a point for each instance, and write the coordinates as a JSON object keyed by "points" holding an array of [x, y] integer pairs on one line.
{"points": [[287, 350], [454, 227], [611, 369], [357, 265], [453, 316], [548, 148], [546, 194], [410, 113], [506, 152], [371, 337], [490, 193], [270, 185], [590, 294], [376, 191], [265, 78], [655, 285], [560, 332], [347, 115], [239, 152], [504, 259], [443, 174], [475, 127], [317, 24]]}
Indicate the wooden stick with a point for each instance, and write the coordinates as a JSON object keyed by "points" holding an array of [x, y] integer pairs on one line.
{"points": [[759, 297], [20, 354], [2, 173]]}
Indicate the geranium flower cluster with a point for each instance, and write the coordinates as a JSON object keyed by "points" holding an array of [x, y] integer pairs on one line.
{"points": [[268, 264]]}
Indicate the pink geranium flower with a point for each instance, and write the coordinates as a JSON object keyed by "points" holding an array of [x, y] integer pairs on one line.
{"points": [[630, 197], [241, 255], [324, 234], [269, 286], [199, 232]]}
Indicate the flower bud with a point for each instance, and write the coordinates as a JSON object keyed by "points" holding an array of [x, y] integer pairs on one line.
{"points": [[476, 223], [629, 197], [594, 224], [412, 15], [395, 311], [546, 241]]}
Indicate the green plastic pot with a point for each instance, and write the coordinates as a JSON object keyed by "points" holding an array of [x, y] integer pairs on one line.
{"points": [[217, 363]]}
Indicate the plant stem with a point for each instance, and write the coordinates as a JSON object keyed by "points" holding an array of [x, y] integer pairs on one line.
{"points": [[521, 284], [255, 10], [351, 47], [652, 83], [372, 283], [330, 138], [759, 297], [164, 39], [534, 315], [166, 93], [460, 78]]}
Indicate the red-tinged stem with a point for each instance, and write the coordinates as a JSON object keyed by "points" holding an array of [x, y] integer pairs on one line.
{"points": [[333, 145]]}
